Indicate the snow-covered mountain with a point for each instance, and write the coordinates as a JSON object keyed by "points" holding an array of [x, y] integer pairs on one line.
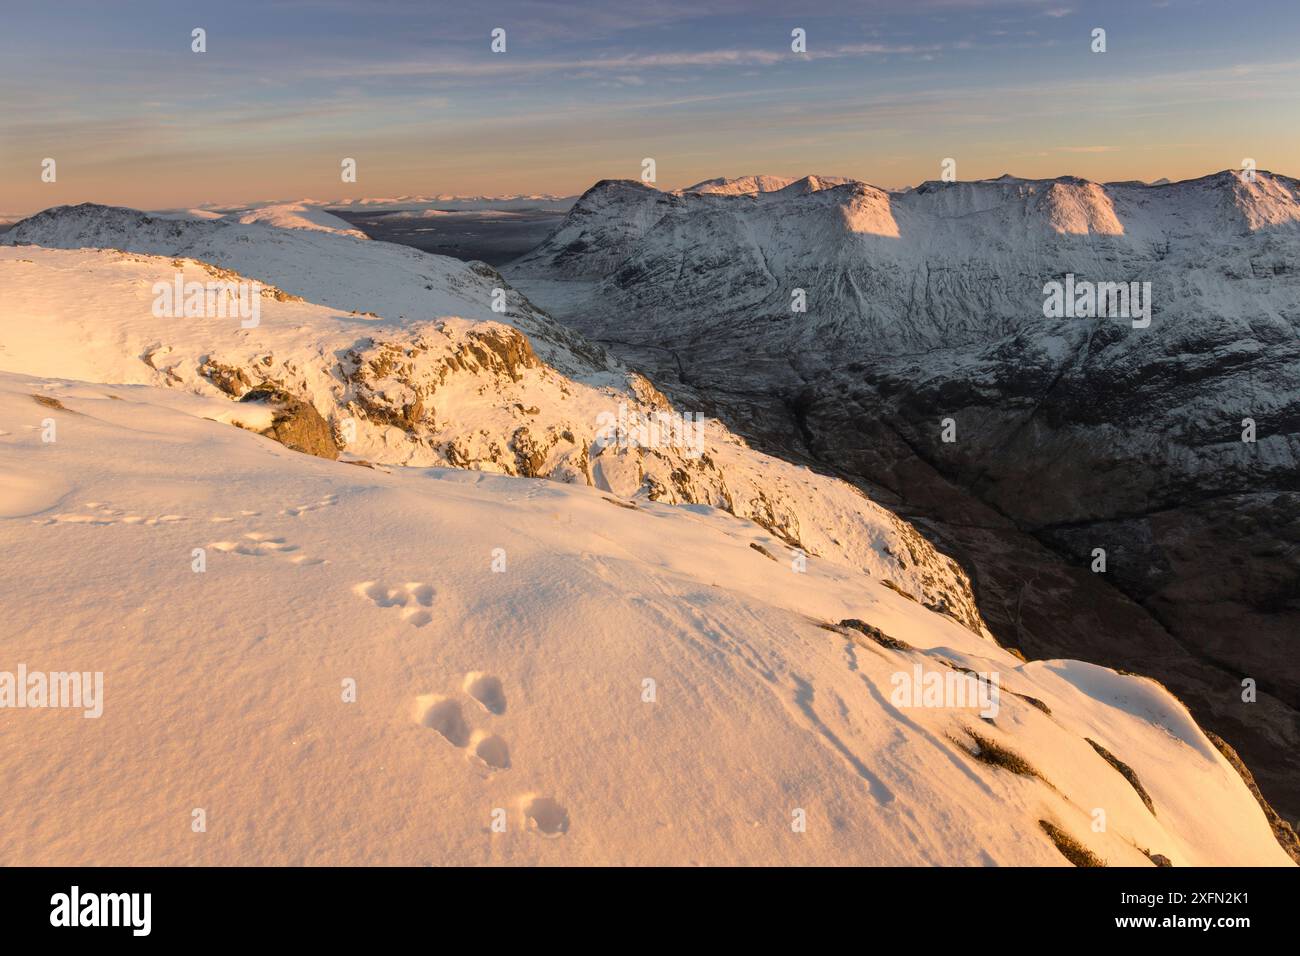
{"points": [[319, 214], [546, 201], [405, 359], [300, 216], [1069, 433], [750, 185], [944, 265], [628, 663]]}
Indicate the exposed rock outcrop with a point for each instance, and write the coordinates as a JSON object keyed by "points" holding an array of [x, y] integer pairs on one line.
{"points": [[295, 423]]}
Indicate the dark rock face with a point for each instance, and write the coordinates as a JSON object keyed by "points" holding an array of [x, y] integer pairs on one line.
{"points": [[296, 424], [1070, 434]]}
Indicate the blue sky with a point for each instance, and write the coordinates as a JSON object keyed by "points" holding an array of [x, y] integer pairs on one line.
{"points": [[412, 91]]}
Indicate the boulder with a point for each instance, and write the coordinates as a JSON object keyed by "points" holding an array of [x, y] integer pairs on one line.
{"points": [[295, 424]]}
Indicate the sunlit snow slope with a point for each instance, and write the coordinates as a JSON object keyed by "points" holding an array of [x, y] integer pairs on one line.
{"points": [[420, 370], [520, 693]]}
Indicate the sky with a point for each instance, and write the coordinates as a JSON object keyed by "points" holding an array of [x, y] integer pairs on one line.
{"points": [[413, 92]]}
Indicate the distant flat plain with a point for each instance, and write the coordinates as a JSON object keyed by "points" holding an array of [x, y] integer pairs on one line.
{"points": [[493, 236]]}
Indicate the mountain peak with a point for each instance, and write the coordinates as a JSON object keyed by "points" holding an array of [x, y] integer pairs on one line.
{"points": [[756, 184]]}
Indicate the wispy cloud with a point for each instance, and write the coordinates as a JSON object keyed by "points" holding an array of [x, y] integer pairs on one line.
{"points": [[623, 63]]}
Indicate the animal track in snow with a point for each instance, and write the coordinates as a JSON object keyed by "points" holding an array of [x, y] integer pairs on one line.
{"points": [[222, 519], [98, 513], [490, 749], [446, 716], [297, 510], [443, 715], [256, 543], [487, 690], [545, 815], [253, 543], [414, 597], [259, 544]]}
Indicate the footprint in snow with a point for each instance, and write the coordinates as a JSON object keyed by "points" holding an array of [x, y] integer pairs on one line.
{"points": [[542, 814], [414, 598], [490, 749], [259, 544], [445, 715], [487, 690], [298, 510], [545, 816], [99, 513]]}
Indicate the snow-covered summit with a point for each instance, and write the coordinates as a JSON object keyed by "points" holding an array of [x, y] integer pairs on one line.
{"points": [[300, 216]]}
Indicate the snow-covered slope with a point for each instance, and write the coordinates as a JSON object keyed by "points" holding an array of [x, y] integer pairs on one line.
{"points": [[348, 680], [390, 283], [196, 213], [419, 371]]}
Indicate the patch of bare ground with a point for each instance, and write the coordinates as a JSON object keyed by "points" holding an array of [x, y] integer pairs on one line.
{"points": [[876, 634], [1125, 771], [1070, 848], [995, 755]]}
